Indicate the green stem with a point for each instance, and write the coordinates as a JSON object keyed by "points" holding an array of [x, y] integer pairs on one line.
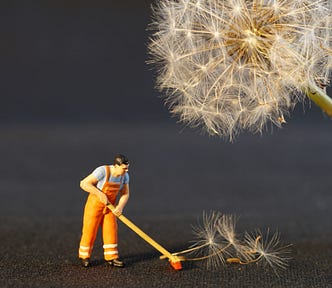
{"points": [[320, 97]]}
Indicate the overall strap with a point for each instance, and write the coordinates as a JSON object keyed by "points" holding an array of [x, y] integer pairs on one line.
{"points": [[122, 179], [108, 173]]}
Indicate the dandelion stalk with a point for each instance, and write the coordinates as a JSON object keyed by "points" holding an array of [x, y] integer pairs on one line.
{"points": [[320, 98]]}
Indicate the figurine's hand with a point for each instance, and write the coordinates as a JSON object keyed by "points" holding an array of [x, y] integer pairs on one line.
{"points": [[103, 198], [117, 211]]}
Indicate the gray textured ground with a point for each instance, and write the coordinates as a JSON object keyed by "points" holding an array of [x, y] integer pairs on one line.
{"points": [[281, 181]]}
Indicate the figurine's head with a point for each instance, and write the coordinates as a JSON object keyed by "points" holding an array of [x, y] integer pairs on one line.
{"points": [[121, 164]]}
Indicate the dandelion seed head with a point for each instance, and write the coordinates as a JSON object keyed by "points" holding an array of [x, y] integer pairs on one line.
{"points": [[203, 68], [216, 34], [198, 3], [237, 9], [276, 6], [247, 52]]}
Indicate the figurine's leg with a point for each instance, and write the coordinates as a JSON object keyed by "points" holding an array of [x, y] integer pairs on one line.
{"points": [[91, 221], [110, 237]]}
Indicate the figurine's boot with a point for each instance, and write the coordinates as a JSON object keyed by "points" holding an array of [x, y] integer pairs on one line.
{"points": [[116, 263], [85, 262]]}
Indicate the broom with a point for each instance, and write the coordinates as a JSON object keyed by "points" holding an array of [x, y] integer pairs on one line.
{"points": [[174, 260]]}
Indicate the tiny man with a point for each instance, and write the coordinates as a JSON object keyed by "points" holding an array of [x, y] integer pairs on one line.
{"points": [[103, 186]]}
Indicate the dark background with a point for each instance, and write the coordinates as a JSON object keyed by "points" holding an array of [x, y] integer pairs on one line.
{"points": [[75, 89]]}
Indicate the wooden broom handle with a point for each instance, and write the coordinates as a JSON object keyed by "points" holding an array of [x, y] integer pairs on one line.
{"points": [[146, 237]]}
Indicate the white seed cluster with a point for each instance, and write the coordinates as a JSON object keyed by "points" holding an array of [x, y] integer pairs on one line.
{"points": [[233, 65], [218, 243]]}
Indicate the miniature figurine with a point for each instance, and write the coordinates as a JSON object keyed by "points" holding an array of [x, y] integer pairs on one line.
{"points": [[103, 186]]}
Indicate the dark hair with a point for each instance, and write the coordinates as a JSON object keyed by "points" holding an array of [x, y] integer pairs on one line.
{"points": [[120, 159]]}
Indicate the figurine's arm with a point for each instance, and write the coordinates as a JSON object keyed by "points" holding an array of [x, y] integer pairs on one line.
{"points": [[122, 201], [89, 184]]}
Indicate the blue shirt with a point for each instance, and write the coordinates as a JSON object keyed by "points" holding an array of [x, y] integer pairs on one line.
{"points": [[100, 174]]}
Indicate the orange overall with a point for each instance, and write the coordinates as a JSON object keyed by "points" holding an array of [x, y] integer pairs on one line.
{"points": [[97, 214]]}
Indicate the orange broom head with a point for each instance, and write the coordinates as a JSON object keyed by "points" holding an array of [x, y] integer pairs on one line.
{"points": [[176, 265]]}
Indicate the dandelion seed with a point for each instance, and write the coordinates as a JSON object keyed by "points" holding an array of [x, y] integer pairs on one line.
{"points": [[216, 243], [256, 58], [268, 249], [210, 245], [226, 228]]}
